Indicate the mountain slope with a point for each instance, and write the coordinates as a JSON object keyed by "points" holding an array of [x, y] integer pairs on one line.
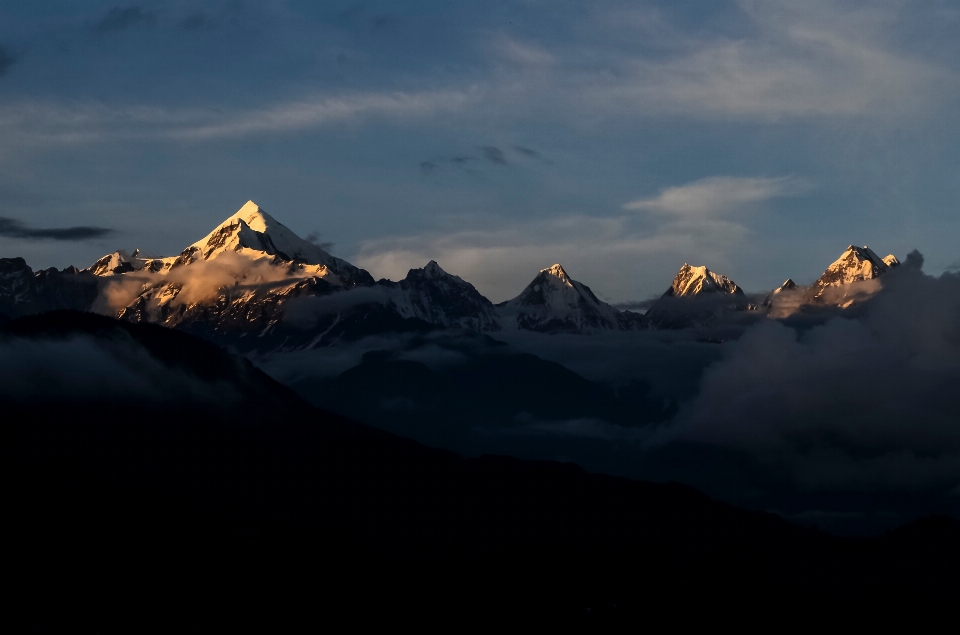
{"points": [[440, 298], [219, 491], [856, 264], [25, 292], [554, 302]]}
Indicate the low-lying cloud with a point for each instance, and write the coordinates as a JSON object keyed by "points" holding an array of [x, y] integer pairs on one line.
{"points": [[864, 403]]}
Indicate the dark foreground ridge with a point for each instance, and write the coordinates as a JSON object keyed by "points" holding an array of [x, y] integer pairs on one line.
{"points": [[183, 481]]}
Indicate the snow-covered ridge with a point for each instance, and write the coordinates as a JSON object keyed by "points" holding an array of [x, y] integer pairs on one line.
{"points": [[435, 296], [554, 301]]}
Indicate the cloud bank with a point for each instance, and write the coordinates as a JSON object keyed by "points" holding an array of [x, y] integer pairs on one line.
{"points": [[861, 404]]}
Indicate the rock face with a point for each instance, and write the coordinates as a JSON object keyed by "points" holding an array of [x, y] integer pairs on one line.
{"points": [[696, 297], [554, 302], [856, 264], [693, 281], [435, 296], [23, 292]]}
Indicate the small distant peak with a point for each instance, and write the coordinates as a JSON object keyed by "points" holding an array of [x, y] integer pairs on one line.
{"points": [[787, 285], [891, 261]]}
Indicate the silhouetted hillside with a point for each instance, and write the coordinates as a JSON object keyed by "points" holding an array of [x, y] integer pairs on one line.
{"points": [[154, 475]]}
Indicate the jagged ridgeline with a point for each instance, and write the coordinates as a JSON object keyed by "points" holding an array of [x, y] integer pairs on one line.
{"points": [[254, 284]]}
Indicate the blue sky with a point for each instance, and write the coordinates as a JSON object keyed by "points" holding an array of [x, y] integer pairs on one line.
{"points": [[621, 139]]}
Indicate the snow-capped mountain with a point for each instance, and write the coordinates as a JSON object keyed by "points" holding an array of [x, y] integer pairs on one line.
{"points": [[554, 302], [697, 296], [437, 297], [237, 280], [253, 234], [856, 264]]}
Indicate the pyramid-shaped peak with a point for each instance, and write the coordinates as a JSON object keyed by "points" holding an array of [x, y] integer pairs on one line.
{"points": [[254, 216]]}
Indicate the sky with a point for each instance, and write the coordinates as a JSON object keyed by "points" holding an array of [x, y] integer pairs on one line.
{"points": [[619, 138]]}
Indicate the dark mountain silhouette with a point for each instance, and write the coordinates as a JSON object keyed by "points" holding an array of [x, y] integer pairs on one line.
{"points": [[183, 483]]}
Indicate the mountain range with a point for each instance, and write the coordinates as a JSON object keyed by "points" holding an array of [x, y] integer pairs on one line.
{"points": [[254, 284]]}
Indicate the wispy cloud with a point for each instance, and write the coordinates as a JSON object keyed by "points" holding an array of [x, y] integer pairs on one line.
{"points": [[30, 123], [494, 154], [308, 113], [521, 53], [821, 58], [13, 228], [719, 194]]}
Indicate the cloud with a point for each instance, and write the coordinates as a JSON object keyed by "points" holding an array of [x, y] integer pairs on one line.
{"points": [[826, 58], [494, 154], [13, 228], [309, 113], [527, 152], [954, 267], [87, 368], [859, 403], [717, 195], [199, 281], [427, 167], [7, 60], [120, 18], [314, 237], [31, 124], [522, 53]]}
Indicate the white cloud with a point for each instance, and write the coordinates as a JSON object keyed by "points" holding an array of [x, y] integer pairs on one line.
{"points": [[718, 194]]}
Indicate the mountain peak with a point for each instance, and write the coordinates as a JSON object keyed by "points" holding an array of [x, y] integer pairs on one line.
{"points": [[433, 269], [692, 280], [253, 215], [855, 264], [556, 270]]}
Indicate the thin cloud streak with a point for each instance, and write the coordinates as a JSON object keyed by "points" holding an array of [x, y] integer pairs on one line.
{"points": [[13, 228], [44, 124]]}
